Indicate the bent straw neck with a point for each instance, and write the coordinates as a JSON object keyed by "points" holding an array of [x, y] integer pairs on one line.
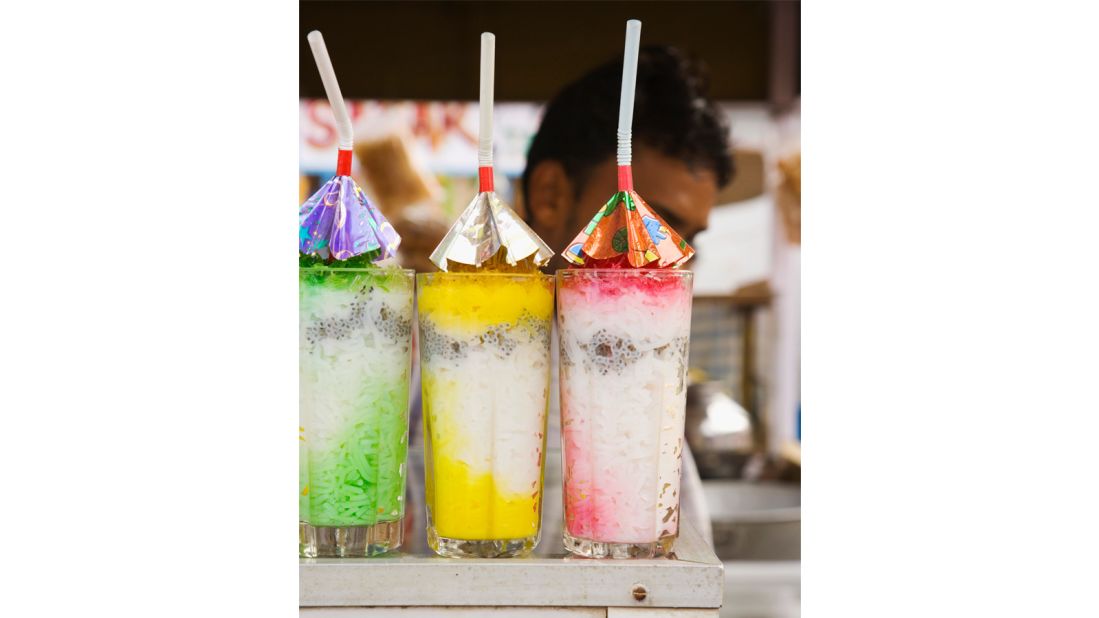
{"points": [[332, 89]]}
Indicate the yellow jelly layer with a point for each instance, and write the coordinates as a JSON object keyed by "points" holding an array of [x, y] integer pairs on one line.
{"points": [[473, 302], [467, 504]]}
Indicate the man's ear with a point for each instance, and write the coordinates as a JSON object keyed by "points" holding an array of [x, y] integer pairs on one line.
{"points": [[551, 197]]}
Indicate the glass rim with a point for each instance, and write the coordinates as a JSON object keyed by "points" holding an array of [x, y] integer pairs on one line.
{"points": [[443, 273], [368, 269], [630, 272]]}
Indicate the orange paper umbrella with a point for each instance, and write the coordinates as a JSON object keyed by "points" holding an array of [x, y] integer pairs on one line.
{"points": [[626, 232]]}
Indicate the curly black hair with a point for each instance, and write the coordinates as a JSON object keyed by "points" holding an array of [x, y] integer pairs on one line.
{"points": [[671, 113]]}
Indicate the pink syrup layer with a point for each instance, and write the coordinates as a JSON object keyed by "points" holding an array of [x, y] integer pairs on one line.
{"points": [[594, 289], [596, 502]]}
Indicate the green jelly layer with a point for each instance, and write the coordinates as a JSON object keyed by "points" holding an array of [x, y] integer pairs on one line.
{"points": [[361, 480]]}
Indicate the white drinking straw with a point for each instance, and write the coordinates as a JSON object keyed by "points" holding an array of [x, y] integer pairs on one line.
{"points": [[629, 85], [488, 67], [332, 88]]}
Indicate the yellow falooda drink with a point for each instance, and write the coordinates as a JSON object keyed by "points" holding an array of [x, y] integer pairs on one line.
{"points": [[486, 370], [485, 366]]}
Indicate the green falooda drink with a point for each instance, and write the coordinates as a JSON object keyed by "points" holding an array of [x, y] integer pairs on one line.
{"points": [[355, 348], [355, 356]]}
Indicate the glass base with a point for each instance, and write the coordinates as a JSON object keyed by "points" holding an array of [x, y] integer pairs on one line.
{"points": [[495, 548], [348, 541], [598, 549]]}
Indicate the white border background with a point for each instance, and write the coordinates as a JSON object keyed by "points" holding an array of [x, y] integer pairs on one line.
{"points": [[150, 373], [949, 300]]}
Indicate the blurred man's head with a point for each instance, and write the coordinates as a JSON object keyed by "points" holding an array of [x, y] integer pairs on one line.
{"points": [[680, 149]]}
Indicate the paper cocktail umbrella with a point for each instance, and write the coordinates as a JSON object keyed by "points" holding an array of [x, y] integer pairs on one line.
{"points": [[489, 235], [626, 232], [338, 222]]}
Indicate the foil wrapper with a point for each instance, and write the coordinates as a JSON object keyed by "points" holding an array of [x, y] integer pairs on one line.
{"points": [[489, 235], [339, 222], [627, 233]]}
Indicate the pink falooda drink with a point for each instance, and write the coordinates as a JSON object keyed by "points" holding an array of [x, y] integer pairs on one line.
{"points": [[624, 322], [624, 336]]}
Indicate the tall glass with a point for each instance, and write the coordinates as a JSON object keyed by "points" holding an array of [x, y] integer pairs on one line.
{"points": [[623, 336], [485, 367], [355, 345]]}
